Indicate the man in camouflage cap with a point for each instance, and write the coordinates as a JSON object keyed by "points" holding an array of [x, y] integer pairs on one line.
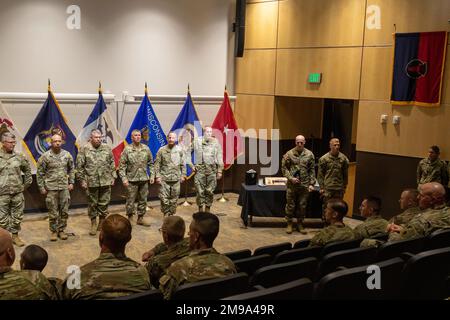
{"points": [[96, 173], [208, 168], [55, 178], [409, 203], [298, 167], [374, 224], [204, 262], [336, 230], [170, 171], [20, 285], [112, 274], [173, 247], [432, 169], [333, 173], [12, 185], [135, 170]]}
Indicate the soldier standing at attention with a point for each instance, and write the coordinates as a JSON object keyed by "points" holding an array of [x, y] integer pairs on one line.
{"points": [[432, 169], [96, 173], [208, 168], [170, 171], [12, 185], [298, 167], [135, 170], [333, 173], [55, 178]]}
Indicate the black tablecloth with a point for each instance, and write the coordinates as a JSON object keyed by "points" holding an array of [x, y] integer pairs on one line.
{"points": [[269, 201]]}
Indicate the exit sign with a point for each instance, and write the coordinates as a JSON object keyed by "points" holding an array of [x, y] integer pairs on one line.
{"points": [[314, 78]]}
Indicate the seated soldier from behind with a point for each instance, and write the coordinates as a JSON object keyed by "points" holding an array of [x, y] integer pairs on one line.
{"points": [[409, 203], [374, 224], [112, 274], [336, 231], [204, 262], [176, 247], [33, 257], [24, 284]]}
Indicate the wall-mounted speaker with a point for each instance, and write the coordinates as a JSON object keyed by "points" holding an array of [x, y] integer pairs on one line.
{"points": [[239, 28]]}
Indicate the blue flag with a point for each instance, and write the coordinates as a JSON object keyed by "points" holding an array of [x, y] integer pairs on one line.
{"points": [[147, 122], [50, 118], [187, 127]]}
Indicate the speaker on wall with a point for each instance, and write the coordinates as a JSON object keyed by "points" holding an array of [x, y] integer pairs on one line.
{"points": [[239, 28]]}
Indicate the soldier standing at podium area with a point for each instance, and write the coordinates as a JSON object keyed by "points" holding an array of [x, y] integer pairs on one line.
{"points": [[298, 167]]}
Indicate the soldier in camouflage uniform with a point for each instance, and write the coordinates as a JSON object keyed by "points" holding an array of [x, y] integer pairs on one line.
{"points": [[208, 168], [409, 203], [96, 173], [298, 167], [336, 230], [135, 170], [173, 248], [204, 262], [20, 285], [112, 274], [55, 178], [374, 224], [170, 171], [332, 174], [432, 169], [12, 185]]}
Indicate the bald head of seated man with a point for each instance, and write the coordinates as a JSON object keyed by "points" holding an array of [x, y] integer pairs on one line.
{"points": [[7, 253]]}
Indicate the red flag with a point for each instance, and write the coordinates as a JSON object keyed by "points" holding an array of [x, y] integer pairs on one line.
{"points": [[227, 132]]}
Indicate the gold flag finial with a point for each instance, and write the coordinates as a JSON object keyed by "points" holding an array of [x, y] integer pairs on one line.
{"points": [[146, 88], [48, 88], [99, 87]]}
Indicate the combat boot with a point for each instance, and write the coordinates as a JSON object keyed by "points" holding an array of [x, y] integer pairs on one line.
{"points": [[300, 228], [100, 221], [54, 236], [62, 235], [130, 217], [142, 222], [16, 240], [289, 228], [207, 209], [93, 230]]}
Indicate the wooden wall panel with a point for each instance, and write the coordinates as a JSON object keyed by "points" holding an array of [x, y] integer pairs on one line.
{"points": [[376, 75], [355, 121], [255, 72], [408, 16], [350, 191], [254, 111], [295, 116], [261, 25], [256, 1], [419, 128], [340, 69], [316, 23]]}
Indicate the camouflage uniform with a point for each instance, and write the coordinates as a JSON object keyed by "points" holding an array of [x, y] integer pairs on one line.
{"points": [[333, 176], [170, 166], [96, 168], [107, 277], [333, 233], [24, 285], [373, 226], [158, 264], [197, 266], [208, 163], [54, 173], [405, 216], [133, 166], [298, 165], [435, 171], [12, 185]]}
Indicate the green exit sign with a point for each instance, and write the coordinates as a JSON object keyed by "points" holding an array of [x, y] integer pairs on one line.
{"points": [[314, 78]]}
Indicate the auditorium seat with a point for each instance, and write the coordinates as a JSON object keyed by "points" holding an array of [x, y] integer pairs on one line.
{"points": [[381, 236], [294, 290], [154, 295], [239, 254], [425, 275], [276, 274], [438, 239], [251, 264], [213, 289], [352, 283], [394, 249], [297, 254], [273, 249], [340, 245], [301, 244]]}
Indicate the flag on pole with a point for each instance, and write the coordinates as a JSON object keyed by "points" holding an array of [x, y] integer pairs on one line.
{"points": [[146, 121], [50, 118], [187, 127], [101, 119], [230, 137]]}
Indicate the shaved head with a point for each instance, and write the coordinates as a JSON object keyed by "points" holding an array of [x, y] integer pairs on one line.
{"points": [[174, 228], [431, 195], [115, 234], [7, 254]]}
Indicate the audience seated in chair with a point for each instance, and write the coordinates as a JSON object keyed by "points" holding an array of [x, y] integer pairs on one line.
{"points": [[409, 203], [374, 224]]}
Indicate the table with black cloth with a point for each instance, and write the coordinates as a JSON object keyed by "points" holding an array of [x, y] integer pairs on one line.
{"points": [[270, 201]]}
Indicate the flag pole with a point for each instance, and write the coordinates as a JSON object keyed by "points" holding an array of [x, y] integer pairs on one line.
{"points": [[186, 203], [223, 199]]}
